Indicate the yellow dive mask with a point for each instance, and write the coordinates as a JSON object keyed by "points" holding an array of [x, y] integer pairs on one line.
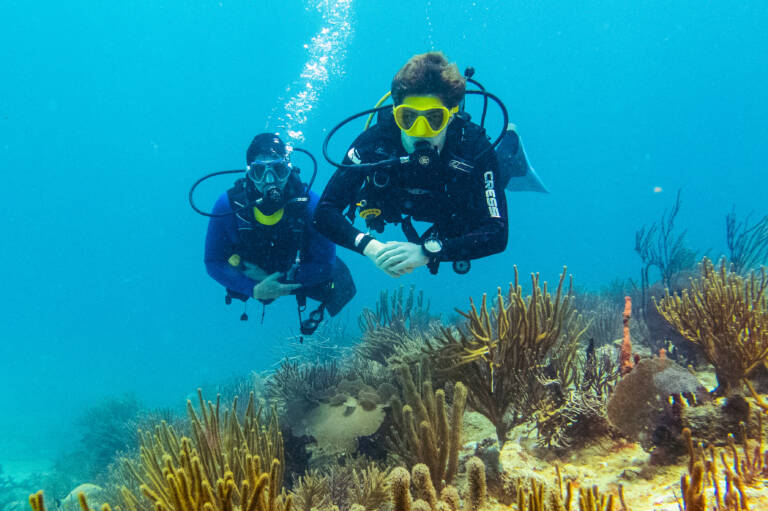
{"points": [[422, 116]]}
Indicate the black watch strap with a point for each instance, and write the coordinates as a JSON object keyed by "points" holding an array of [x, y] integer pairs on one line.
{"points": [[362, 241]]}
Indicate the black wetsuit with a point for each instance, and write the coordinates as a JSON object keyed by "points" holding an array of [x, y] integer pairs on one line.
{"points": [[466, 205]]}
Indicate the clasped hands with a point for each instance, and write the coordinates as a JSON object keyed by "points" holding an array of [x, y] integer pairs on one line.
{"points": [[268, 287], [395, 258]]}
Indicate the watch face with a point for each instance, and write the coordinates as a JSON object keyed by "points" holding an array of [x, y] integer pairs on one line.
{"points": [[433, 245]]}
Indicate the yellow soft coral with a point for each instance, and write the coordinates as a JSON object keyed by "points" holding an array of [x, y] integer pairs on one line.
{"points": [[726, 315]]}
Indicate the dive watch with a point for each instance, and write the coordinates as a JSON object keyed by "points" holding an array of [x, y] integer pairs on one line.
{"points": [[432, 247]]}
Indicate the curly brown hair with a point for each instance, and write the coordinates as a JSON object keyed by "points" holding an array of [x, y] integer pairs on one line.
{"points": [[429, 74]]}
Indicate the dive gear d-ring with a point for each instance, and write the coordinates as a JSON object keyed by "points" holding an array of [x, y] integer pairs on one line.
{"points": [[381, 183], [461, 267]]}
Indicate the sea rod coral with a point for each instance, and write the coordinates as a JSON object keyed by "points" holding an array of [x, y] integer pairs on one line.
{"points": [[425, 431], [726, 315], [226, 462], [515, 357]]}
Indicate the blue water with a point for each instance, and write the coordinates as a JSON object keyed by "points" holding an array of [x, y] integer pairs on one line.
{"points": [[109, 111]]}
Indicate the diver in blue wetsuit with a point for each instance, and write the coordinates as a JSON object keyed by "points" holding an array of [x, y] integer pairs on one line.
{"points": [[260, 242]]}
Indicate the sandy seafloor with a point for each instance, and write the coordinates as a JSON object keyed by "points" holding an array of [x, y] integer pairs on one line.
{"points": [[605, 463]]}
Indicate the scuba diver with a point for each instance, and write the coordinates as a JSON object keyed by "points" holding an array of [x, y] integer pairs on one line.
{"points": [[260, 242], [423, 160]]}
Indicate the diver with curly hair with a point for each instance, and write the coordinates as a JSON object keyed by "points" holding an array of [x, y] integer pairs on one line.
{"points": [[423, 160]]}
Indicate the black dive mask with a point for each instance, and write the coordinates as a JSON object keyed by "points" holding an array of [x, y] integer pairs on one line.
{"points": [[270, 177], [423, 168]]}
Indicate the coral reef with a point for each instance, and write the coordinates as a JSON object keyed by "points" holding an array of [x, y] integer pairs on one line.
{"points": [[337, 429], [242, 461], [106, 431], [455, 393], [726, 315], [424, 495], [713, 421], [578, 411], [369, 489], [353, 483], [72, 502], [297, 388], [10, 489], [747, 244], [731, 492], [478, 492], [602, 316], [626, 362], [513, 357], [534, 495], [659, 247], [410, 312], [423, 431], [311, 492], [655, 332], [391, 344], [397, 331], [752, 467], [184, 487]]}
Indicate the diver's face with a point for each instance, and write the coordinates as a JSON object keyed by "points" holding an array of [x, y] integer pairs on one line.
{"points": [[409, 142], [269, 172]]}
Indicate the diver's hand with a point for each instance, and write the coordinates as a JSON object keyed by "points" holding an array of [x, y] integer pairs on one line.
{"points": [[372, 250], [254, 272], [270, 288], [401, 257]]}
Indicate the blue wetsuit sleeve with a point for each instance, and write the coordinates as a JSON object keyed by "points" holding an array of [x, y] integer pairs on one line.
{"points": [[220, 242], [320, 252]]}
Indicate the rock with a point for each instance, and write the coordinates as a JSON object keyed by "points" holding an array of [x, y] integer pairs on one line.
{"points": [[711, 423], [477, 427], [93, 495], [520, 466], [640, 406], [297, 455], [511, 481], [367, 404], [368, 400], [348, 387], [630, 474], [386, 391], [376, 446], [338, 400]]}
